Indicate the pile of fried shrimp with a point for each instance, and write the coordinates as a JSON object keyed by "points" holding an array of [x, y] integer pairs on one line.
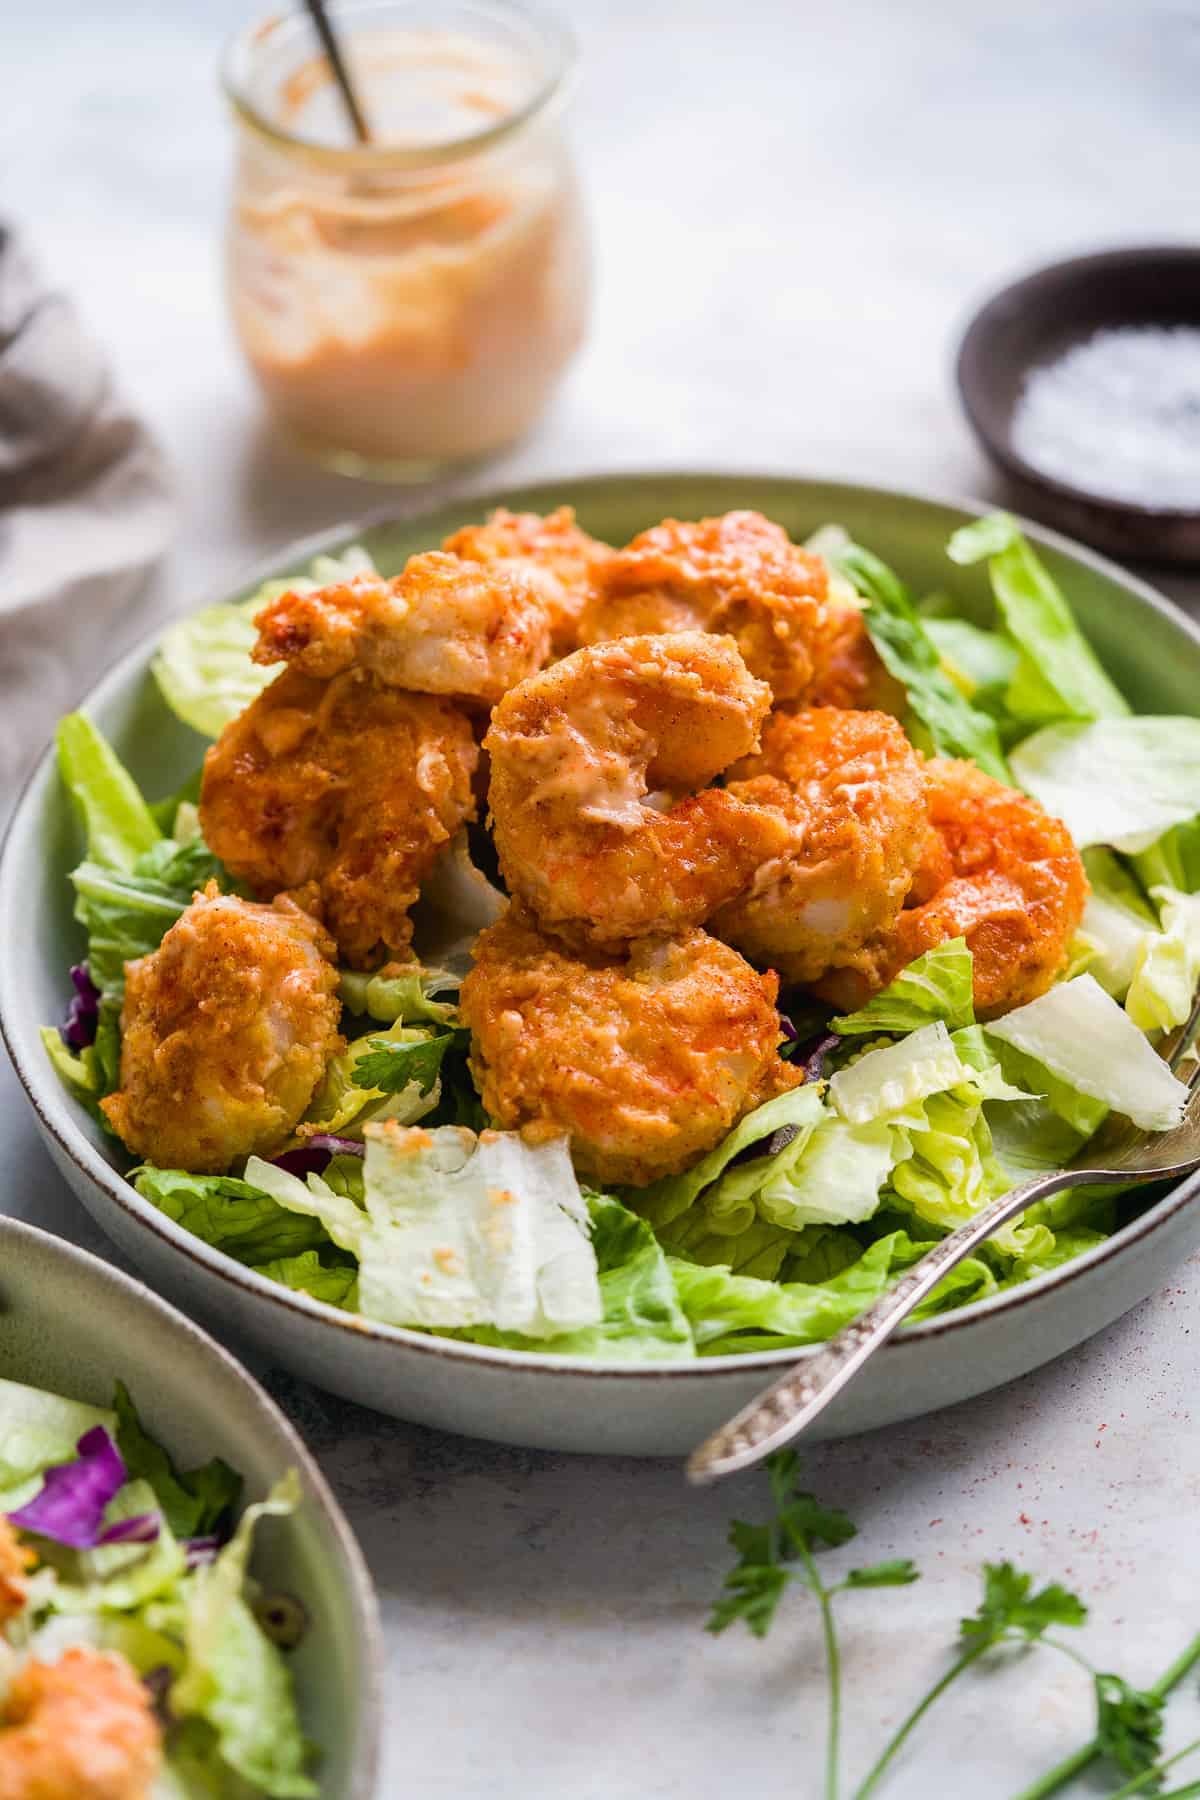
{"points": [[688, 755], [79, 1728]]}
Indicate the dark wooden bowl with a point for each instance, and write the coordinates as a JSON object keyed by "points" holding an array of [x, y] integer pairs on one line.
{"points": [[1033, 322]]}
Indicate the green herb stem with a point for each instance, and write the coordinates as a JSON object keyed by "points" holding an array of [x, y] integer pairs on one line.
{"points": [[1057, 1778], [833, 1670], [914, 1718], [1137, 1782]]}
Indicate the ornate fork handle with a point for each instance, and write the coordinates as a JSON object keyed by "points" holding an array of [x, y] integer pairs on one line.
{"points": [[792, 1402]]}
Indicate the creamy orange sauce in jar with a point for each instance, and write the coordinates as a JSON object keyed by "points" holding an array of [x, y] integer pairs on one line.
{"points": [[408, 304]]}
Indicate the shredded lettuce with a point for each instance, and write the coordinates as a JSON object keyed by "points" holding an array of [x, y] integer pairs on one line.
{"points": [[203, 665], [1081, 1035], [459, 1231], [1058, 675]]}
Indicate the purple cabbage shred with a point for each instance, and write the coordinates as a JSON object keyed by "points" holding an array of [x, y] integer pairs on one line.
{"points": [[312, 1157], [78, 1029], [811, 1058], [71, 1505], [201, 1550]]}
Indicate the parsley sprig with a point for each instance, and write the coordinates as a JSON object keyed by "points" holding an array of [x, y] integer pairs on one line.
{"points": [[783, 1552], [391, 1066]]}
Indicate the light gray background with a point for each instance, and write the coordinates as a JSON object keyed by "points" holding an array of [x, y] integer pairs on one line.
{"points": [[795, 206]]}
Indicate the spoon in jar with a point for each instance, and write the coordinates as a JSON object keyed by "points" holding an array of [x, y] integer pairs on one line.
{"points": [[333, 50]]}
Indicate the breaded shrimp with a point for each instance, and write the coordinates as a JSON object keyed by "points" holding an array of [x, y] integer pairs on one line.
{"points": [[15, 1562], [225, 1032], [444, 626], [81, 1728], [564, 562], [997, 870], [738, 574], [351, 785], [575, 751], [847, 670], [852, 788], [646, 1061]]}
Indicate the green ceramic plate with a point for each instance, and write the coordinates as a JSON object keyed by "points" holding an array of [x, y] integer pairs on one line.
{"points": [[1150, 649]]}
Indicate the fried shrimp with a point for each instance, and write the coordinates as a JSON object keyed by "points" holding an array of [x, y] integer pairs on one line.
{"points": [[575, 752], [737, 574], [345, 783], [847, 670], [444, 626], [852, 789], [563, 561], [225, 1032], [15, 1561], [81, 1728], [997, 870], [645, 1061]]}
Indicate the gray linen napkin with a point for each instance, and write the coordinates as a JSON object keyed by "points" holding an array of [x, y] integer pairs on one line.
{"points": [[85, 509]]}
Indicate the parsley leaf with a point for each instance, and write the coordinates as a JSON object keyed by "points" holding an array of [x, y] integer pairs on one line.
{"points": [[1010, 1606], [1129, 1726], [752, 1592], [391, 1067]]}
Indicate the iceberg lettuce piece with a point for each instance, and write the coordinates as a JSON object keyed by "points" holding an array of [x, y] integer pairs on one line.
{"points": [[937, 985], [234, 1678], [1167, 970], [459, 1230], [1081, 1035], [896, 1076], [203, 665], [1121, 782], [1059, 675]]}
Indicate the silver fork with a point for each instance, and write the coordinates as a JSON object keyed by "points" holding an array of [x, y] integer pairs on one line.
{"points": [[1118, 1154]]}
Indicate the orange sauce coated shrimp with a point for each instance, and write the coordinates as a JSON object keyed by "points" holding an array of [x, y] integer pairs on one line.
{"points": [[646, 1061], [561, 559], [594, 763], [81, 1728], [997, 870], [852, 790]]}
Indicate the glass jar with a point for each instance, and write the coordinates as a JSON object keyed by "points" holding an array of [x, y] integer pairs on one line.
{"points": [[408, 304]]}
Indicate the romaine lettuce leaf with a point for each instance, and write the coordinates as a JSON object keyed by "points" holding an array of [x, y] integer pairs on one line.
{"points": [[117, 822], [234, 1216], [796, 1112], [1121, 782], [896, 1076], [938, 985], [203, 665], [460, 1231], [404, 996], [234, 1678], [980, 663], [734, 1312], [1115, 922], [1081, 1035], [760, 1249], [1059, 675], [835, 1180], [1173, 860], [120, 1577], [194, 1504], [955, 727], [336, 1283], [344, 1103]]}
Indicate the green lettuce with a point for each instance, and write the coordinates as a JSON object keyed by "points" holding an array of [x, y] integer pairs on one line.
{"points": [[334, 1282], [1115, 922], [896, 1076], [203, 665], [194, 1503], [459, 1231], [234, 1679], [1058, 675], [796, 1112], [1121, 782], [1167, 970], [238, 1217], [955, 727], [117, 823], [938, 985], [1080, 1034], [980, 663], [1173, 860], [404, 997]]}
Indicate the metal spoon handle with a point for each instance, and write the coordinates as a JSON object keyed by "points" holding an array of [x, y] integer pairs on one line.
{"points": [[782, 1411]]}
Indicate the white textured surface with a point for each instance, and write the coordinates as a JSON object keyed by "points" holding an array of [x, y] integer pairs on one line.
{"points": [[795, 206]]}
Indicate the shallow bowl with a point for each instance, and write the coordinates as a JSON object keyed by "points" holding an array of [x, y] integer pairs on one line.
{"points": [[525, 1398], [1036, 320], [72, 1324]]}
